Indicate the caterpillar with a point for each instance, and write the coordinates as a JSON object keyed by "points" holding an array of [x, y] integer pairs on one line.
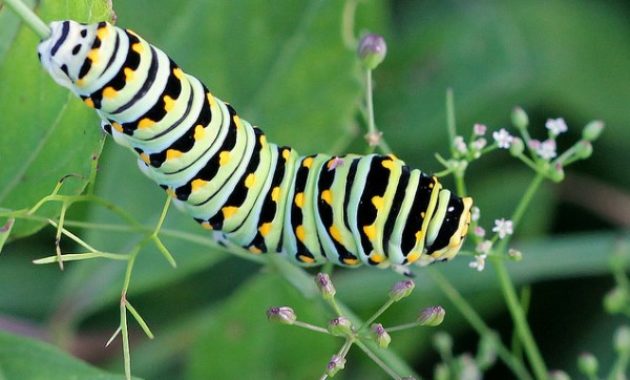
{"points": [[349, 210]]}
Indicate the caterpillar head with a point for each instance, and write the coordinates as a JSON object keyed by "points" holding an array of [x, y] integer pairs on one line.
{"points": [[65, 51], [448, 227]]}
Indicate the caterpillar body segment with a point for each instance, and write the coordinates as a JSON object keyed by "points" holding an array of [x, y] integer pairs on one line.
{"points": [[222, 171]]}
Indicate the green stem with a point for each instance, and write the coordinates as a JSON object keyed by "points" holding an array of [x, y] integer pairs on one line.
{"points": [[477, 323], [29, 17], [308, 326], [509, 292], [380, 311], [377, 360], [450, 120]]}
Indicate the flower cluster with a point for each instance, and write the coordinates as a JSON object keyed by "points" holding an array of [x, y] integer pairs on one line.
{"points": [[353, 333]]}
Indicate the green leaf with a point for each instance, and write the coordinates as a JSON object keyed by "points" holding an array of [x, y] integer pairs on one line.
{"points": [[46, 134], [24, 358]]}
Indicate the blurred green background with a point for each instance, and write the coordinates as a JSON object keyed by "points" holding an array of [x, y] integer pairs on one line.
{"points": [[283, 65]]}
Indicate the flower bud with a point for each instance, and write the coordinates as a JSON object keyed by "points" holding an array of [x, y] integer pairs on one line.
{"points": [[517, 147], [556, 173], [336, 364], [372, 50], [519, 118], [325, 286], [443, 343], [431, 316], [558, 375], [380, 335], [283, 314], [584, 150], [593, 130], [340, 326], [515, 254], [587, 363], [616, 300], [622, 339], [401, 290]]}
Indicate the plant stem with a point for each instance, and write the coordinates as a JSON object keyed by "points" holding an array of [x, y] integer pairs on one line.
{"points": [[29, 17], [450, 119], [509, 292], [477, 323]]}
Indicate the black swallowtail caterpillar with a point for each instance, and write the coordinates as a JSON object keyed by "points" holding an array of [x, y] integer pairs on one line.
{"points": [[349, 210]]}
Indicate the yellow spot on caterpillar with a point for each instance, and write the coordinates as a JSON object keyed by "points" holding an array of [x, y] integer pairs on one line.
{"points": [[255, 250], [197, 184], [263, 140], [306, 259], [327, 196], [299, 200], [89, 102], [117, 127], [275, 194], [229, 211], [80, 82], [172, 154], [129, 74], [109, 92], [200, 131], [334, 232], [145, 157], [392, 156], [300, 233], [179, 74], [102, 32], [169, 103], [308, 162], [431, 185], [388, 164], [377, 258], [285, 154], [237, 121], [370, 231], [265, 229], [422, 214], [377, 202], [206, 225], [419, 235], [250, 180], [412, 257], [211, 100], [145, 123], [93, 55], [350, 261], [224, 158], [137, 47]]}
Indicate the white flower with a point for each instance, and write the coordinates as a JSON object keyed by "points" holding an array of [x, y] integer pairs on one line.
{"points": [[547, 149], [534, 144], [479, 231], [460, 145], [479, 263], [502, 138], [503, 227], [479, 144], [479, 129], [556, 126], [475, 213], [484, 247]]}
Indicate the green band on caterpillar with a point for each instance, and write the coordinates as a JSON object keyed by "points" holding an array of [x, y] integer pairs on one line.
{"points": [[223, 172]]}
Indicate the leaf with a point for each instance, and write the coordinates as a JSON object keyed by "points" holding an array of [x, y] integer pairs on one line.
{"points": [[45, 134], [24, 358]]}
